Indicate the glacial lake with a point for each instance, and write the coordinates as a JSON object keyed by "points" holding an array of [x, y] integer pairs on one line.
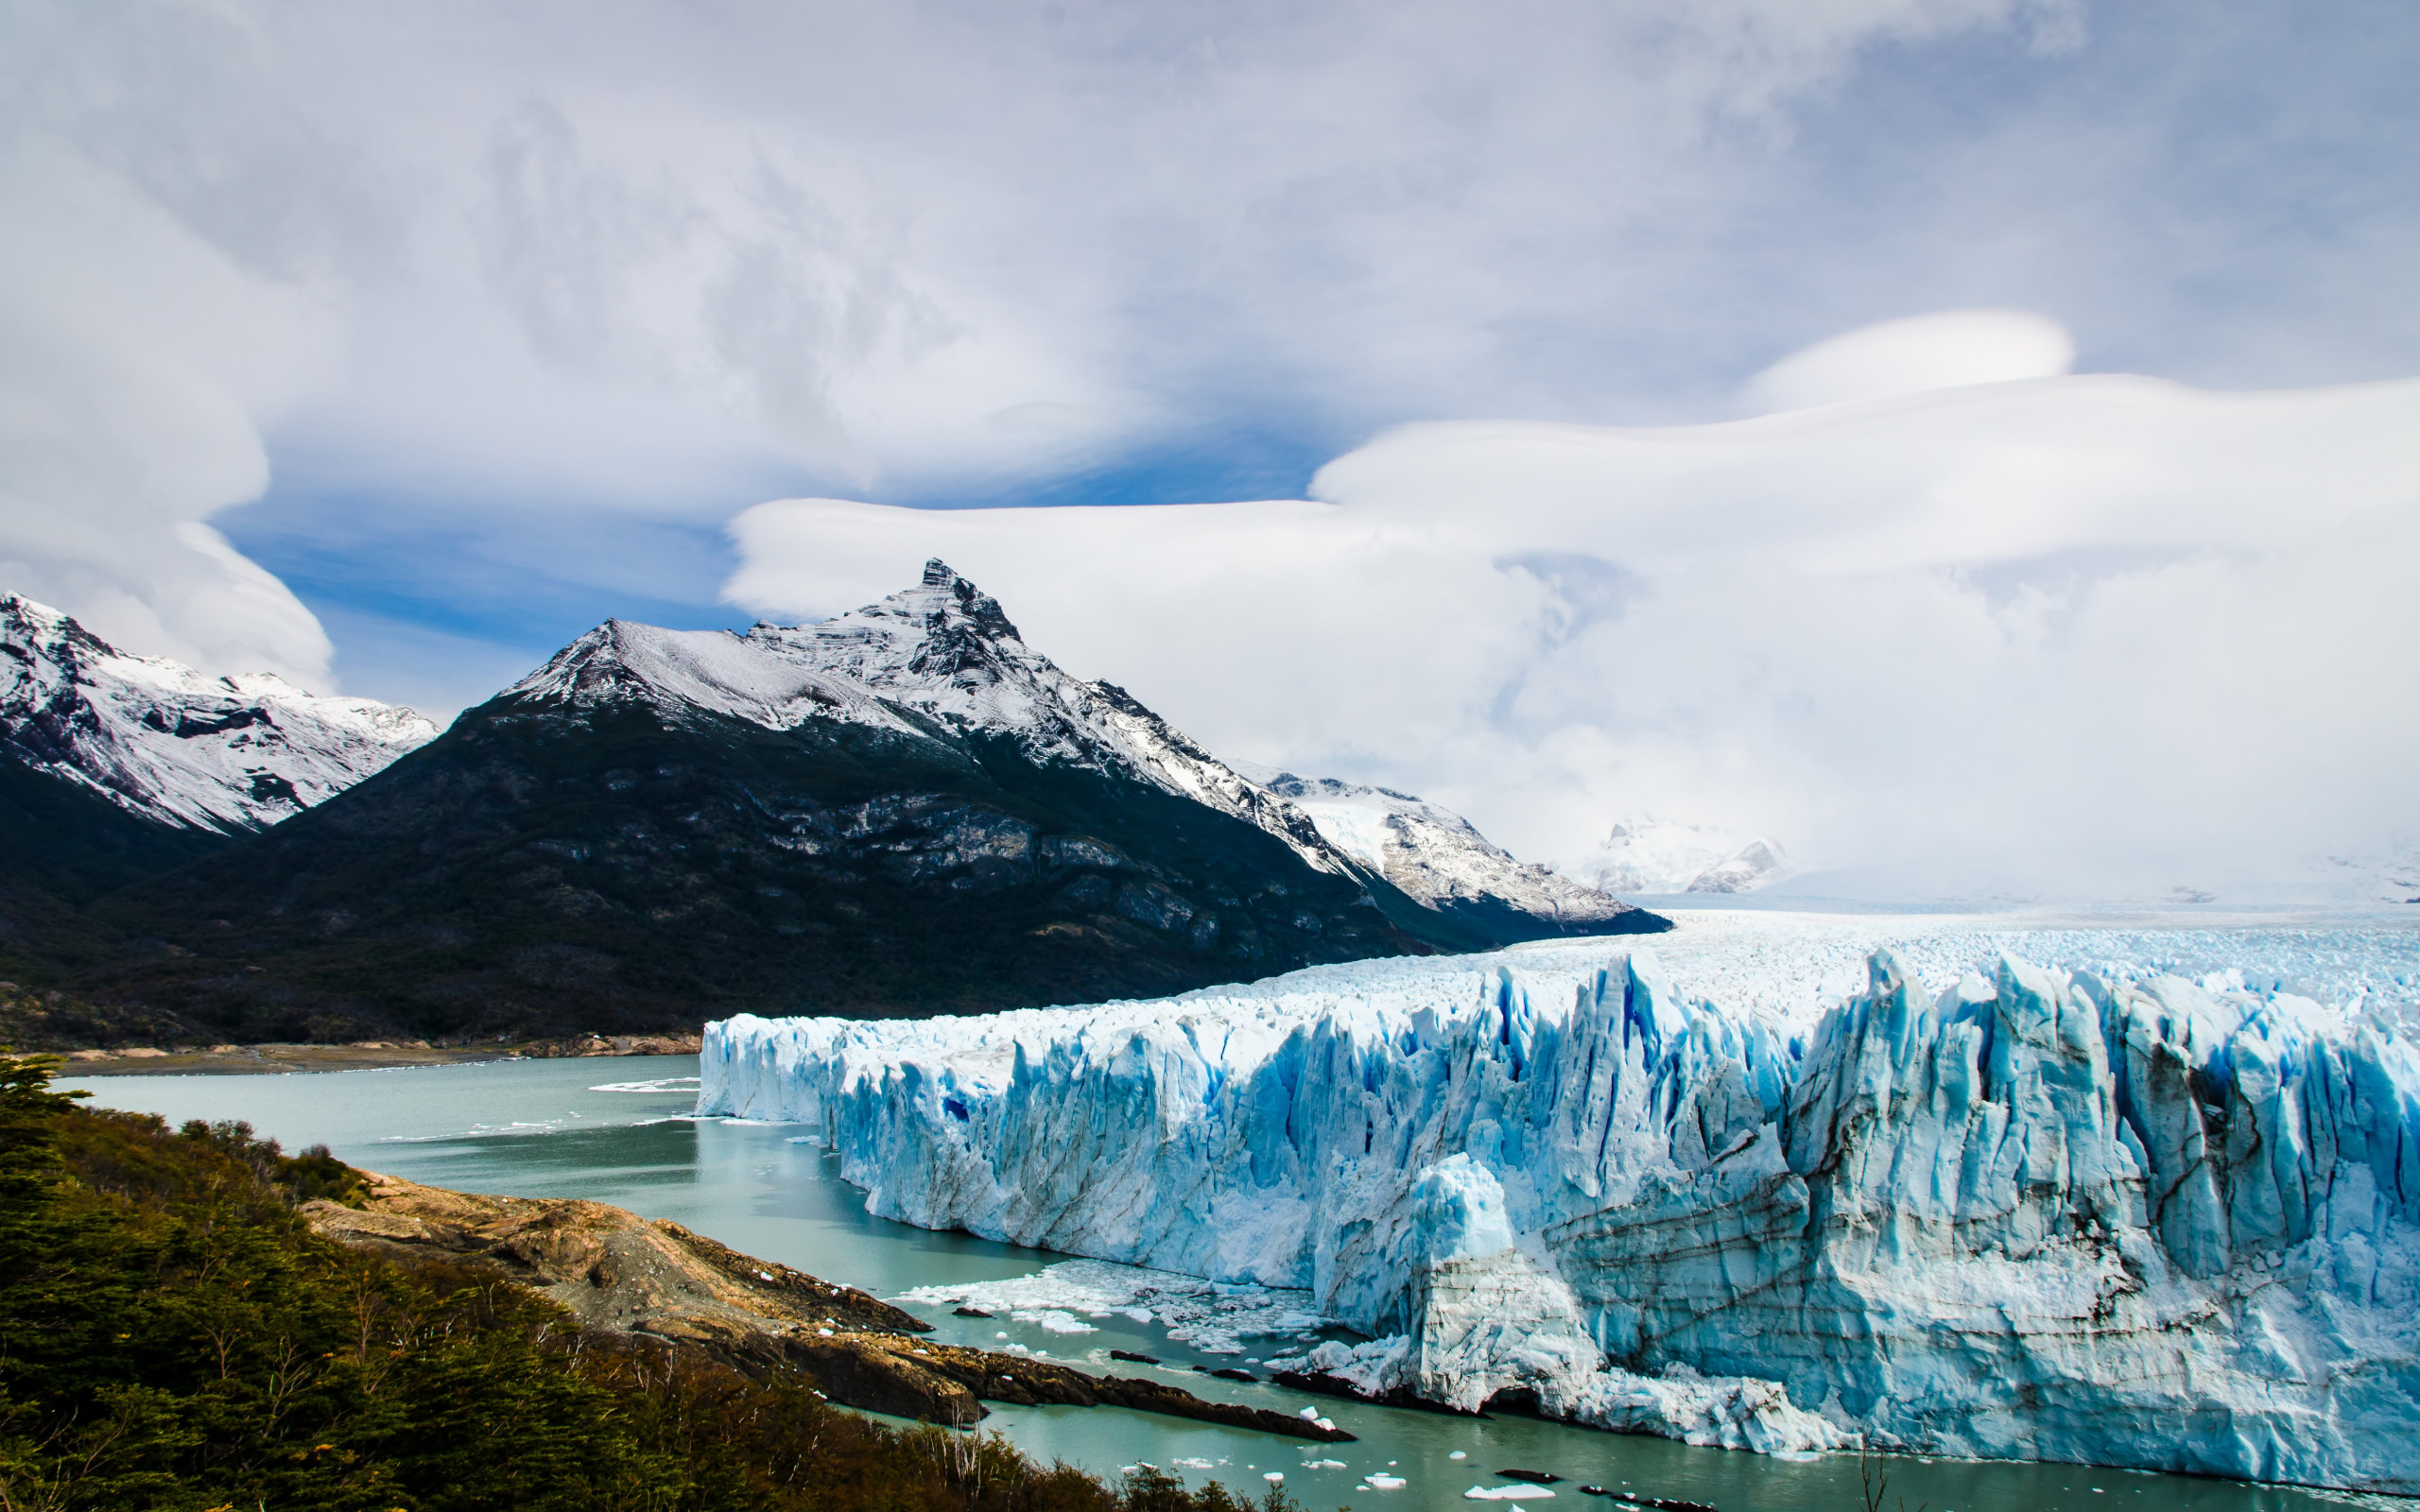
{"points": [[613, 1130]]}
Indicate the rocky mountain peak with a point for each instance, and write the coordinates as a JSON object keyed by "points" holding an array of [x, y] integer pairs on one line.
{"points": [[961, 625], [26, 626], [944, 650]]}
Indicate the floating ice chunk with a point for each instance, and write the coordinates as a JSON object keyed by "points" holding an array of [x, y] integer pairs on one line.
{"points": [[1458, 1455], [1274, 1477], [1310, 1415], [1387, 1483], [1213, 1318], [1506, 1493]]}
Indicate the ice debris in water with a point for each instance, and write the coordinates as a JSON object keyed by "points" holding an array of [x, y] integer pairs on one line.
{"points": [[1741, 1199], [1212, 1317], [1506, 1493]]}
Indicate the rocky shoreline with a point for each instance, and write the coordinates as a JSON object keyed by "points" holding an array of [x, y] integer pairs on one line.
{"points": [[633, 1281], [366, 1054]]}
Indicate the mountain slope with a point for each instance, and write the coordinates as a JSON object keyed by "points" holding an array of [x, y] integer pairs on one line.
{"points": [[115, 769], [901, 811], [1437, 858], [944, 650], [171, 746]]}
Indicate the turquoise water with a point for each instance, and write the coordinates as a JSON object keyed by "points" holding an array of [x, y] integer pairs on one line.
{"points": [[613, 1130]]}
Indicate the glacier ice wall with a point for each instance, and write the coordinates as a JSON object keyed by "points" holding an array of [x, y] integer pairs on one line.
{"points": [[2107, 1218]]}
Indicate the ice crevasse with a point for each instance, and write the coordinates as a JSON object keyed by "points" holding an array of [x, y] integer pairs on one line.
{"points": [[2112, 1218]]}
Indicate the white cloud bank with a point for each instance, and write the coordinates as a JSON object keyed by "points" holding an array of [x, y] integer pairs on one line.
{"points": [[2081, 636], [493, 258], [136, 366], [1908, 356]]}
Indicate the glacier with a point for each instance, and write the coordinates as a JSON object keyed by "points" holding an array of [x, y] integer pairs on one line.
{"points": [[2142, 1198]]}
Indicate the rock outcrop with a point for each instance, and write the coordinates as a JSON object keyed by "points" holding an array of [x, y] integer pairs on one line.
{"points": [[624, 1276]]}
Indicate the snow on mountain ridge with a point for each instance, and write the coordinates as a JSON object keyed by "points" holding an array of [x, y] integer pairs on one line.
{"points": [[943, 649], [175, 746], [676, 671], [1433, 854]]}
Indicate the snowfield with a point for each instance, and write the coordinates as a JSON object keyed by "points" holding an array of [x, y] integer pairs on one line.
{"points": [[2140, 1196]]}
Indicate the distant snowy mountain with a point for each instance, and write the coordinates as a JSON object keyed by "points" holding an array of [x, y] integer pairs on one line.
{"points": [[1651, 856], [2384, 873], [169, 745], [1435, 855]]}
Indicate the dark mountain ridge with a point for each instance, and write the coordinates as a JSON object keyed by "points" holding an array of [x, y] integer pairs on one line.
{"points": [[904, 811]]}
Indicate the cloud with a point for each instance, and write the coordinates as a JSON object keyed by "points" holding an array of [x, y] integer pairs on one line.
{"points": [[2079, 634], [1909, 355], [521, 275], [132, 369]]}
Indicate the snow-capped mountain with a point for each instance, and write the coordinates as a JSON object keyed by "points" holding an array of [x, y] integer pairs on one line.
{"points": [[167, 743], [1651, 856], [945, 650], [904, 810], [2384, 873], [1435, 855]]}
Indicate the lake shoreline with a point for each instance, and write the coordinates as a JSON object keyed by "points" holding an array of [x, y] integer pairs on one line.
{"points": [[374, 1054]]}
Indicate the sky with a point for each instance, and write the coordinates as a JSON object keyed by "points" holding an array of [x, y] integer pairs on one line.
{"points": [[1970, 440]]}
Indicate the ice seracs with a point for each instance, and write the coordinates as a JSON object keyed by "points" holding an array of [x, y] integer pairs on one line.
{"points": [[1647, 854], [2036, 1194], [172, 745]]}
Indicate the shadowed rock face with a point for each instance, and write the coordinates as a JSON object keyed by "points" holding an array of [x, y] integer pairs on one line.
{"points": [[624, 1276], [2121, 1220]]}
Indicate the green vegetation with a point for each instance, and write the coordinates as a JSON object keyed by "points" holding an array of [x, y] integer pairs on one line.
{"points": [[173, 1337]]}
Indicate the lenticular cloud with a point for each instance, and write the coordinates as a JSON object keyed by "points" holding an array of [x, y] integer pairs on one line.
{"points": [[2086, 635]]}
